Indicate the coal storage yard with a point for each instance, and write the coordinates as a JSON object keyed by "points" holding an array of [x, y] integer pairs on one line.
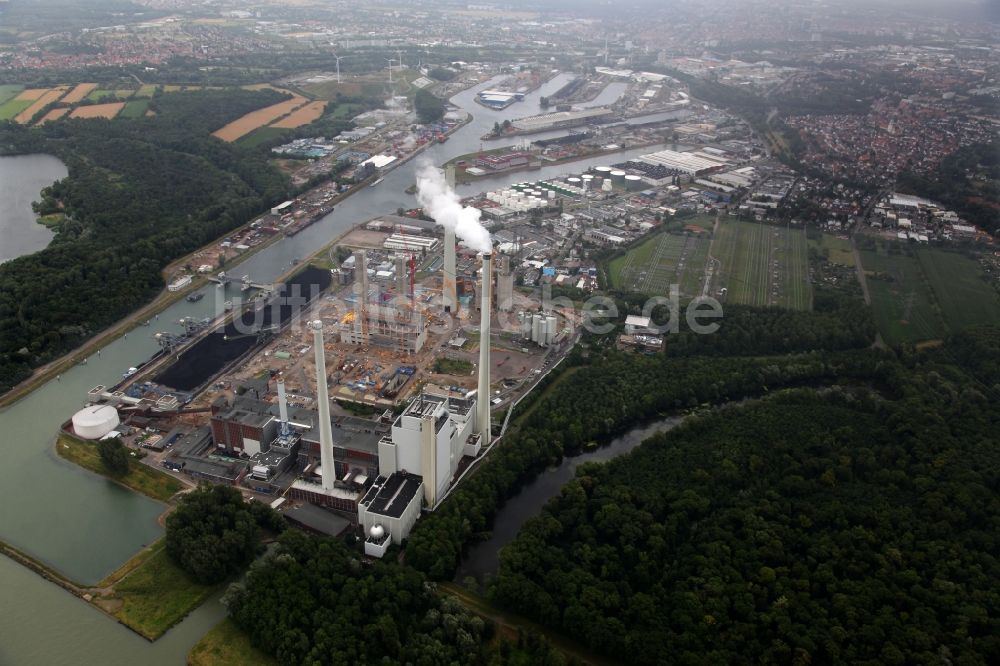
{"points": [[211, 354]]}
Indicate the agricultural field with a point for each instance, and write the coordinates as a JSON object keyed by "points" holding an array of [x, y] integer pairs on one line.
{"points": [[9, 91], [665, 259], [13, 107], [923, 293], [40, 102], [259, 118], [54, 114], [758, 264], [135, 108], [32, 94], [302, 116], [79, 92], [98, 95], [98, 110], [260, 135]]}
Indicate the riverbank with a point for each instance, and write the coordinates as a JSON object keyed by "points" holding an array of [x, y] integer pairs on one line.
{"points": [[226, 645], [140, 478], [511, 626], [165, 298]]}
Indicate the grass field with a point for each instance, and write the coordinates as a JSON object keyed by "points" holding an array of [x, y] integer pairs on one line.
{"points": [[140, 478], [923, 293], [259, 118], [12, 107], [135, 109], [224, 645], [665, 259], [156, 595], [98, 110], [838, 249], [9, 91], [965, 297], [762, 265], [902, 301], [260, 135]]}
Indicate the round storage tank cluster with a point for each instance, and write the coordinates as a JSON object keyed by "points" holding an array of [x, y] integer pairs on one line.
{"points": [[633, 183], [95, 421]]}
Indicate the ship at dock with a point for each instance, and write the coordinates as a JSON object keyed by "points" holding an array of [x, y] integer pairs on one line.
{"points": [[298, 225]]}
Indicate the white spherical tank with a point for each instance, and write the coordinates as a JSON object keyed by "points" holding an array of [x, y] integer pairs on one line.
{"points": [[376, 532], [95, 421]]}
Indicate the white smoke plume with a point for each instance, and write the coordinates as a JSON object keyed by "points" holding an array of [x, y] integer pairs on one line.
{"points": [[441, 203]]}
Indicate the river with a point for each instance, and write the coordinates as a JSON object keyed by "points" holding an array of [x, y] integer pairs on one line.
{"points": [[21, 179], [85, 526], [484, 557]]}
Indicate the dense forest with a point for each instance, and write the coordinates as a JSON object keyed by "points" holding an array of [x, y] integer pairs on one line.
{"points": [[314, 601], [598, 397], [140, 193], [214, 533], [815, 526]]}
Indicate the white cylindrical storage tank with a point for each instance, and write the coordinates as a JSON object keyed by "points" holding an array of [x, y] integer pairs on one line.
{"points": [[618, 177], [552, 194], [550, 329], [603, 171], [574, 181], [633, 183], [606, 186], [95, 421]]}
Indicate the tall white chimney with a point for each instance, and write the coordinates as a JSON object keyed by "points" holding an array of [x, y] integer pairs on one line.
{"points": [[483, 397], [282, 406], [323, 399], [449, 290], [361, 285]]}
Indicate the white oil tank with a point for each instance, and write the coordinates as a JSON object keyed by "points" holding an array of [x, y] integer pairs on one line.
{"points": [[95, 421]]}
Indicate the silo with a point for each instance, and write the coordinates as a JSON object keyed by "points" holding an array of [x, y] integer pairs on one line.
{"points": [[550, 329], [537, 335]]}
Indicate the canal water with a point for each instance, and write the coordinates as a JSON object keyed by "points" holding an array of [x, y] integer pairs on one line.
{"points": [[484, 557], [21, 179], [83, 525]]}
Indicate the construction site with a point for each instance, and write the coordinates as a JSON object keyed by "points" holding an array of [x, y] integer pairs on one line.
{"points": [[339, 398]]}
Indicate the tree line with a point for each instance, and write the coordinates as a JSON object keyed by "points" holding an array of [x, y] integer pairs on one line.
{"points": [[140, 193], [822, 526]]}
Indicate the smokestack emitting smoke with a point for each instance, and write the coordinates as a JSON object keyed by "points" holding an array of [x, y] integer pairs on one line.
{"points": [[449, 288], [441, 203], [323, 399], [483, 399]]}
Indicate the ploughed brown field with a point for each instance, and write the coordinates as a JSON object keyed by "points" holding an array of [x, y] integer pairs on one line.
{"points": [[98, 110], [79, 92], [302, 116], [47, 97], [259, 118], [54, 114]]}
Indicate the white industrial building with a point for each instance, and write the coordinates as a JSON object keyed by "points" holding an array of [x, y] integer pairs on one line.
{"points": [[410, 243], [688, 163], [416, 465]]}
